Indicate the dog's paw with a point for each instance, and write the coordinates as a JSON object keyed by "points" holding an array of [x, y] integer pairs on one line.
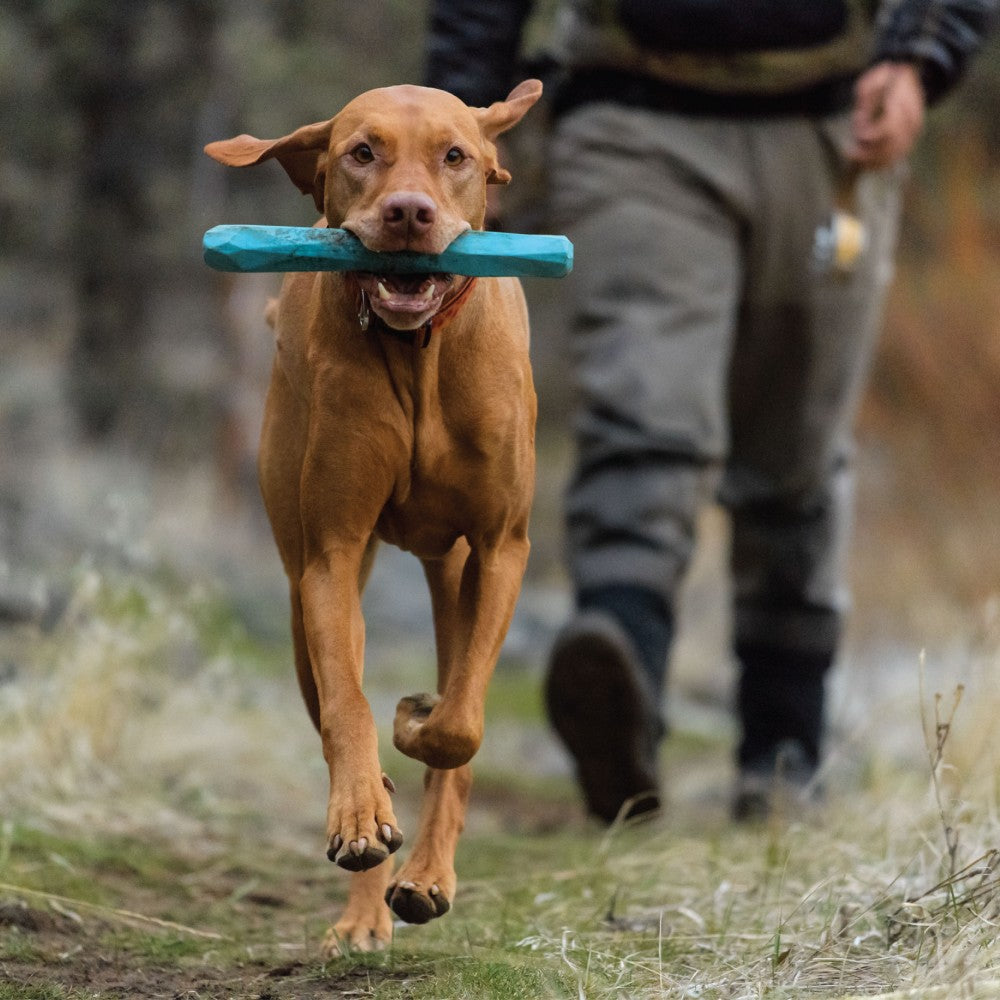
{"points": [[349, 935], [411, 713], [366, 923], [416, 903], [361, 835], [439, 739], [361, 854]]}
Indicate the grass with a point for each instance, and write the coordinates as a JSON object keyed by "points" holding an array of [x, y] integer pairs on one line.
{"points": [[161, 828]]}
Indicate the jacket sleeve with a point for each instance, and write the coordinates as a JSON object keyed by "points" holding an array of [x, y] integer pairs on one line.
{"points": [[939, 36], [472, 47]]}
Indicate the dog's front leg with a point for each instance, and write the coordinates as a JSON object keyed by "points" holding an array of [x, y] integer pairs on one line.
{"points": [[361, 825], [473, 597], [474, 591], [425, 885]]}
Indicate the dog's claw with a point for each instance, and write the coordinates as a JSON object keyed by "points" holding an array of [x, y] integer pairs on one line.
{"points": [[364, 853], [359, 855], [335, 845], [388, 784]]}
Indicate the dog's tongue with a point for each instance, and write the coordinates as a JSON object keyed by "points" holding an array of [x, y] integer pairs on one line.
{"points": [[412, 284], [407, 294], [407, 284]]}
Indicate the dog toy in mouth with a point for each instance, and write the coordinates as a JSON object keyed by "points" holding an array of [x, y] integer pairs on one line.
{"points": [[299, 248]]}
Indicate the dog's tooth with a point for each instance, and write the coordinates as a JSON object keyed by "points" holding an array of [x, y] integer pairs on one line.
{"points": [[383, 292], [429, 294]]}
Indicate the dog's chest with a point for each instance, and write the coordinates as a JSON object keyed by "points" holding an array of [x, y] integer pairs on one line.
{"points": [[442, 489], [459, 470], [431, 448]]}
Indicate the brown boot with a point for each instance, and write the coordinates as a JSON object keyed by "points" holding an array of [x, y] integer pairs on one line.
{"points": [[601, 705]]}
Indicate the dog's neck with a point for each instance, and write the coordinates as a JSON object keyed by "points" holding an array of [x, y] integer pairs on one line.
{"points": [[368, 319]]}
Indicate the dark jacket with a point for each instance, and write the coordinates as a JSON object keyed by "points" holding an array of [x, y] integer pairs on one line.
{"points": [[473, 46]]}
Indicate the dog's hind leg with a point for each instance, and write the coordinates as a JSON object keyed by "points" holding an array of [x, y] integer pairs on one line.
{"points": [[366, 924]]}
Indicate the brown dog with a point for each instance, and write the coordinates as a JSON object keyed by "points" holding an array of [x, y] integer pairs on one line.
{"points": [[401, 408]]}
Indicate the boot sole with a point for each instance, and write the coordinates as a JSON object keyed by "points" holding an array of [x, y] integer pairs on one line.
{"points": [[599, 708]]}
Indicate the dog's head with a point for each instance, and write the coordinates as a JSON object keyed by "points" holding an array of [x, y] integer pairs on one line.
{"points": [[403, 168]]}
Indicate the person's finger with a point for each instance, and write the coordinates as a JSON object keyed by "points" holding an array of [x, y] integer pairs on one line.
{"points": [[888, 115]]}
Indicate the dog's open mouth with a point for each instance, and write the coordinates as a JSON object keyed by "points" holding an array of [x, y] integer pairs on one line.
{"points": [[405, 299]]}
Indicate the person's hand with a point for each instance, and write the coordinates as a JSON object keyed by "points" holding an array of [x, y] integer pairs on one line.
{"points": [[889, 105]]}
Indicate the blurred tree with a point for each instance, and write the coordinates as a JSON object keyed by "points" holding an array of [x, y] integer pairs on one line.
{"points": [[97, 71], [128, 93], [105, 75], [128, 75]]}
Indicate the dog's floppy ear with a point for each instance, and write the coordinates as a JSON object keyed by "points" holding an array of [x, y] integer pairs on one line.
{"points": [[302, 153], [503, 115]]}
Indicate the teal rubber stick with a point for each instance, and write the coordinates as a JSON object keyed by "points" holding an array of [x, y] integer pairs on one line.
{"points": [[249, 249]]}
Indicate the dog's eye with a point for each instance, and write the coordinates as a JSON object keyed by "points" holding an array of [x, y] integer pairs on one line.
{"points": [[363, 153], [454, 156]]}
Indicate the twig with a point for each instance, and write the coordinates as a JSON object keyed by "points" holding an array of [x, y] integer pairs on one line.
{"points": [[935, 754]]}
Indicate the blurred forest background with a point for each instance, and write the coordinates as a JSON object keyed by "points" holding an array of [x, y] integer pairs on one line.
{"points": [[132, 377]]}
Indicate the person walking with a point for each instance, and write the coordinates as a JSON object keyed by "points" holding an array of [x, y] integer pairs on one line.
{"points": [[729, 174]]}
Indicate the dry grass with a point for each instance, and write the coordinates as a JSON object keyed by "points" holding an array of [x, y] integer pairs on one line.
{"points": [[142, 717], [134, 715]]}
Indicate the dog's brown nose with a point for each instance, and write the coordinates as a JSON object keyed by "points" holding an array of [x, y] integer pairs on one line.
{"points": [[408, 212]]}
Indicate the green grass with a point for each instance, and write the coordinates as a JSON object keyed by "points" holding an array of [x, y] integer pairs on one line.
{"points": [[477, 974], [567, 914], [67, 864], [162, 822], [27, 991]]}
